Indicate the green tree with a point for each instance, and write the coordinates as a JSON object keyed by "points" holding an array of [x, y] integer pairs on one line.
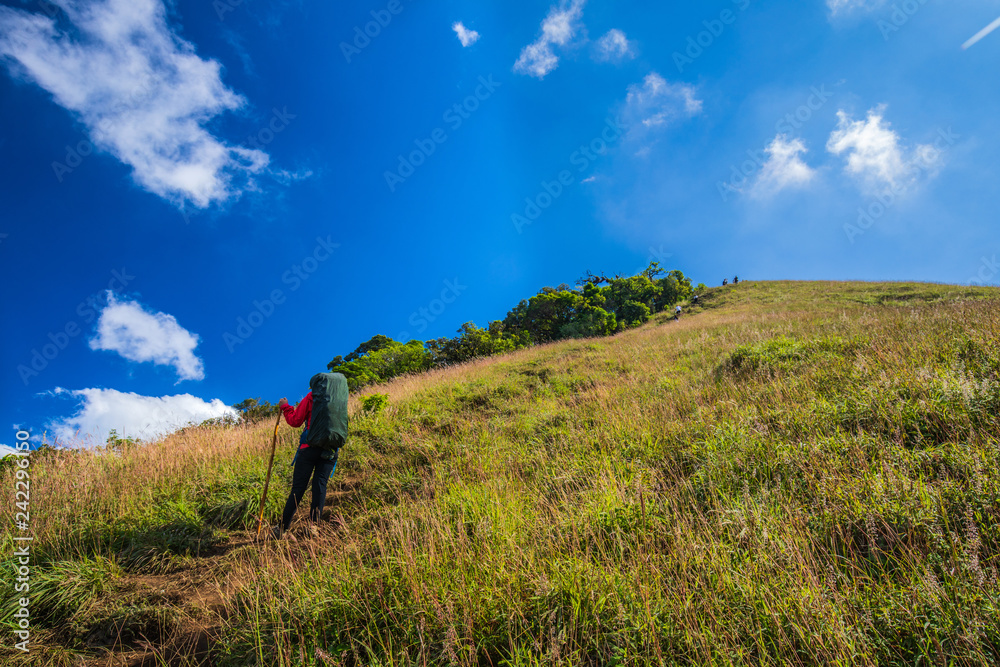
{"points": [[118, 444], [376, 344], [674, 288], [590, 323], [254, 410], [473, 342], [633, 314], [380, 360], [653, 271], [358, 373], [637, 289], [544, 315], [593, 295]]}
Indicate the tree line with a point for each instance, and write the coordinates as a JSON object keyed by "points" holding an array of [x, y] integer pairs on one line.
{"points": [[597, 306]]}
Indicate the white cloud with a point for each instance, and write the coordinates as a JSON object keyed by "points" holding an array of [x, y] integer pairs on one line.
{"points": [[131, 415], [847, 6], [141, 336], [656, 102], [141, 91], [784, 167], [614, 47], [466, 36], [874, 153], [558, 28]]}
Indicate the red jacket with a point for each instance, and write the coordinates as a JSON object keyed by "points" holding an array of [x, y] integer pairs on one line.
{"points": [[300, 414]]}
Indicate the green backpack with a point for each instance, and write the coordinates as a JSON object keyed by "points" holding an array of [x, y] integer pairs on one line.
{"points": [[328, 425]]}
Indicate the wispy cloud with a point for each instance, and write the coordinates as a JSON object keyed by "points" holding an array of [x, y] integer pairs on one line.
{"points": [[874, 152], [143, 336], [465, 36], [981, 34], [141, 91], [131, 415], [847, 6], [656, 102], [784, 167], [614, 47], [563, 22]]}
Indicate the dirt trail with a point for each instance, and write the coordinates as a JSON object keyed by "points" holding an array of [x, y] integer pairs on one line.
{"points": [[198, 597]]}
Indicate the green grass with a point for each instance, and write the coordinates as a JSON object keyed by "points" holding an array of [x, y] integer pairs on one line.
{"points": [[794, 473]]}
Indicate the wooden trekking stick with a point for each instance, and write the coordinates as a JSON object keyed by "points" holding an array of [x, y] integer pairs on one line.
{"points": [[267, 482]]}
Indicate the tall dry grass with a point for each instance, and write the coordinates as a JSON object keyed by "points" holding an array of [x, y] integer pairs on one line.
{"points": [[796, 474]]}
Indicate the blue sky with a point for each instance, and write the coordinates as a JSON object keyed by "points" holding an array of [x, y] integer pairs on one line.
{"points": [[207, 201]]}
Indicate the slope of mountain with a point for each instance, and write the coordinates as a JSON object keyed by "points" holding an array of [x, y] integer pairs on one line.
{"points": [[793, 473]]}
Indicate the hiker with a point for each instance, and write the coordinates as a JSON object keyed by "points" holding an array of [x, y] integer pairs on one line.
{"points": [[694, 299], [725, 281], [324, 412], [736, 280], [677, 313]]}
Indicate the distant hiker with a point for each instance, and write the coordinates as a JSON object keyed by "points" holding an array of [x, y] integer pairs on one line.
{"points": [[694, 299], [677, 313], [324, 412], [725, 281], [736, 280]]}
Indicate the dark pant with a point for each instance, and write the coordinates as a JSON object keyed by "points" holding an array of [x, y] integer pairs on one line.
{"points": [[309, 463]]}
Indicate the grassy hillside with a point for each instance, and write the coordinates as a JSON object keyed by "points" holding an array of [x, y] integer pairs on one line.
{"points": [[794, 473]]}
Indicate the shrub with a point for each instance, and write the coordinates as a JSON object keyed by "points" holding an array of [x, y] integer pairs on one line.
{"points": [[782, 354], [375, 403]]}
